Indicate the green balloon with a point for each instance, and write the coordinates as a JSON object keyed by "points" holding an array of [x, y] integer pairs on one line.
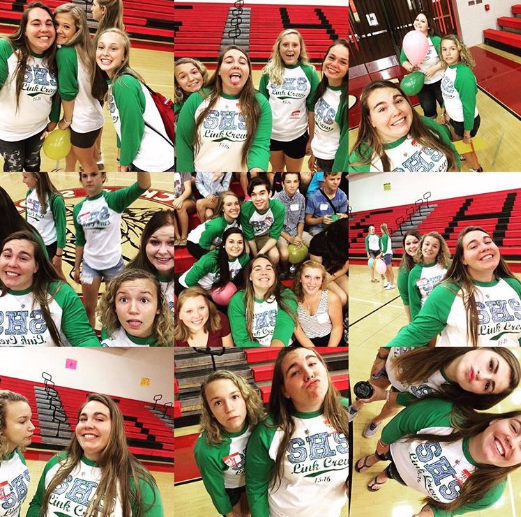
{"points": [[412, 83], [297, 255]]}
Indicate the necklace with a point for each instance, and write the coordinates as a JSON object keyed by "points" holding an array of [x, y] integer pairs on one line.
{"points": [[309, 304]]}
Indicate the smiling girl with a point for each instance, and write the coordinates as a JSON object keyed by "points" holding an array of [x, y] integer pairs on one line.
{"points": [[432, 260], [289, 82], [81, 86], [143, 144], [28, 89], [226, 126], [394, 137], [459, 89], [198, 323], [97, 457], [264, 313], [208, 235], [329, 144], [133, 312], [285, 472], [190, 75], [410, 243], [16, 431], [219, 266], [478, 451], [156, 252], [464, 306], [230, 410]]}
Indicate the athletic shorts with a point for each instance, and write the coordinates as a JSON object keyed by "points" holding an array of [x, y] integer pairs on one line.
{"points": [[295, 149], [459, 128], [84, 140]]}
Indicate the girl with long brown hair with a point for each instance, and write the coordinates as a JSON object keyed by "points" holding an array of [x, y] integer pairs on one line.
{"points": [[457, 458], [45, 211], [464, 307], [226, 126], [394, 137], [53, 314], [264, 312], [297, 461], [97, 456], [28, 99], [230, 410]]}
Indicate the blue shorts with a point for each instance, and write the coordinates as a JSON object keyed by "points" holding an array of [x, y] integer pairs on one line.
{"points": [[88, 273], [388, 257]]}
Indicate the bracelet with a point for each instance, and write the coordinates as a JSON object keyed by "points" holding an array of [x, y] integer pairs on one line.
{"points": [[58, 255]]}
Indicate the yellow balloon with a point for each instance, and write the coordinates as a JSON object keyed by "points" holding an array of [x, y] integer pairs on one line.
{"points": [[57, 144]]}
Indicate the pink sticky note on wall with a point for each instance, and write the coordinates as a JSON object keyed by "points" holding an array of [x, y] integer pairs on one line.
{"points": [[71, 364]]}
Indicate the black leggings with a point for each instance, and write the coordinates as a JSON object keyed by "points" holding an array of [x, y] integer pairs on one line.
{"points": [[428, 95], [23, 155]]}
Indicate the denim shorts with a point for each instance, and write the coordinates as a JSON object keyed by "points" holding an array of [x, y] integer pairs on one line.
{"points": [[88, 273]]}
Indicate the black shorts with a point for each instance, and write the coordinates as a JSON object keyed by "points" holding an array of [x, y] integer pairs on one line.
{"points": [[84, 140], [235, 494], [459, 128], [295, 149]]}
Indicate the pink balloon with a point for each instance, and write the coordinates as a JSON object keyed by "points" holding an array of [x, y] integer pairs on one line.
{"points": [[222, 296], [415, 46], [380, 266]]}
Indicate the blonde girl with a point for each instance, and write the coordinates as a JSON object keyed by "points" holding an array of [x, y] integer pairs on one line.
{"points": [[230, 410], [190, 75], [289, 82], [432, 260], [80, 85], [459, 89], [134, 312], [143, 144], [16, 431]]}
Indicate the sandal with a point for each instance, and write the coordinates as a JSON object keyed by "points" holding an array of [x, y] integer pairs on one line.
{"points": [[375, 485], [375, 280], [364, 466], [182, 242]]}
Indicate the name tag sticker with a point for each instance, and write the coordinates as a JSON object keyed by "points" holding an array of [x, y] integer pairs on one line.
{"points": [[323, 206], [294, 207], [323, 317]]}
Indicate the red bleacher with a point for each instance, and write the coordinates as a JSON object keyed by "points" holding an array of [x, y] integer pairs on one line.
{"points": [[491, 211], [507, 37]]}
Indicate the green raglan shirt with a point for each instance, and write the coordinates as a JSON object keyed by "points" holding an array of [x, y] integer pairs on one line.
{"points": [[499, 312], [403, 284], [223, 135], [67, 62], [438, 465], [374, 239], [255, 224], [269, 321], [354, 158], [72, 497], [222, 466]]}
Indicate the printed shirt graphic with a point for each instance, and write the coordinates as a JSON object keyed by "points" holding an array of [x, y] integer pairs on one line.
{"points": [[316, 468], [222, 466], [72, 497], [221, 136], [36, 98], [408, 155], [14, 481], [499, 312], [97, 222], [327, 131], [419, 390], [459, 90], [290, 101], [22, 322], [255, 224], [422, 280], [44, 223]]}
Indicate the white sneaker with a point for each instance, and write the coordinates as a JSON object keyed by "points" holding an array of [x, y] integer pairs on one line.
{"points": [[386, 285], [352, 413], [389, 286], [370, 429]]}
